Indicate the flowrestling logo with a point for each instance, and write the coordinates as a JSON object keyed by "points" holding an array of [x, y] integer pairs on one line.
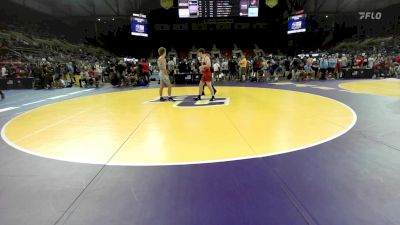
{"points": [[370, 15], [187, 101]]}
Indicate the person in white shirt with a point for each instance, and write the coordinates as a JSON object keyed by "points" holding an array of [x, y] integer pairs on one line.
{"points": [[344, 61], [99, 72], [225, 67], [171, 66], [216, 69], [3, 71], [371, 62], [193, 67]]}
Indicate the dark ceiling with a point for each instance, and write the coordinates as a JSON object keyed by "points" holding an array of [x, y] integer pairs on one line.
{"points": [[65, 8]]}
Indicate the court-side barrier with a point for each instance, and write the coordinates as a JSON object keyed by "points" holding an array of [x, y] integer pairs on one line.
{"points": [[358, 73], [187, 78], [16, 83]]}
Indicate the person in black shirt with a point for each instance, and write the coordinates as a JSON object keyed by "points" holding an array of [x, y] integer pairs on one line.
{"points": [[121, 67], [182, 67], [232, 68], [295, 68]]}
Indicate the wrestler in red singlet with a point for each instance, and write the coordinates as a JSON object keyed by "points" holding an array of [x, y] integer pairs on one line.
{"points": [[206, 78]]}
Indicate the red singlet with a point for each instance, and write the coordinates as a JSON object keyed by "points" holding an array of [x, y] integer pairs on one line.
{"points": [[206, 75]]}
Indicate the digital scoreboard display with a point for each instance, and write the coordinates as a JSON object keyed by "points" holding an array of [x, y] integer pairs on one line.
{"points": [[139, 25], [218, 8], [297, 24]]}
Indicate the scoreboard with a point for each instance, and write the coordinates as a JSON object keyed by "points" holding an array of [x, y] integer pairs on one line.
{"points": [[218, 8], [139, 25], [297, 24]]}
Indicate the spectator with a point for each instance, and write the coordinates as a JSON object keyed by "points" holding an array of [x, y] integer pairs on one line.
{"points": [[232, 69], [359, 62], [323, 65], [310, 73], [4, 73], [243, 68], [257, 66], [216, 70], [332, 63], [344, 61], [225, 68], [145, 70]]}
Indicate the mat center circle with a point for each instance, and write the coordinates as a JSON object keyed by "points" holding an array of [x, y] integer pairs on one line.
{"points": [[128, 128]]}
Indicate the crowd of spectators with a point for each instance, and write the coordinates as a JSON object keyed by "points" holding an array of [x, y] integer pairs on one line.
{"points": [[85, 72], [314, 66], [62, 70], [58, 65]]}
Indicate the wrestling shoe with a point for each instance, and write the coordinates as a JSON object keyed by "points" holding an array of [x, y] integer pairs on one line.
{"points": [[198, 98]]}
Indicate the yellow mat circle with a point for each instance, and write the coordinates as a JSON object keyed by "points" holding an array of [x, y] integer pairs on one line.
{"points": [[387, 87], [127, 128]]}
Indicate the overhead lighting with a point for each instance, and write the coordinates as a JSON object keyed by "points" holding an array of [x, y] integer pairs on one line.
{"points": [[98, 19]]}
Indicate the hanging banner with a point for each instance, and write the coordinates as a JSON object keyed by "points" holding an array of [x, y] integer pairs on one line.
{"points": [[167, 4], [271, 3]]}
